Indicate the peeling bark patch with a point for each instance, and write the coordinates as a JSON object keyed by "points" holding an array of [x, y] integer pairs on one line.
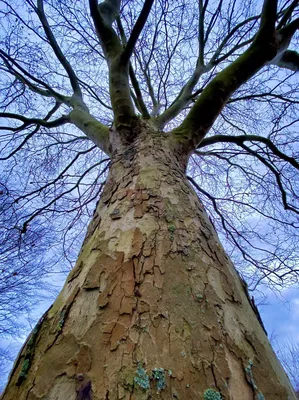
{"points": [[103, 300], [115, 214], [75, 272], [137, 243], [60, 318], [66, 309], [93, 277], [62, 315], [108, 191], [93, 226], [84, 359], [119, 332]]}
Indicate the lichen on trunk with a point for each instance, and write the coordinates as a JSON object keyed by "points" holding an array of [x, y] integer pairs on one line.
{"points": [[153, 309]]}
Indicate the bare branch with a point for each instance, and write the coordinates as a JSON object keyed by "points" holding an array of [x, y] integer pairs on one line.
{"points": [[46, 207], [138, 93], [138, 99], [250, 138], [59, 54], [287, 13], [103, 15], [49, 115], [136, 31], [267, 24], [33, 121], [97, 132], [201, 31], [23, 75], [216, 94], [287, 58]]}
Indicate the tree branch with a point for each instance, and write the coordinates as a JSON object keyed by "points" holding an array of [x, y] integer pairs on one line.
{"points": [[185, 95], [149, 86], [236, 237], [287, 13], [289, 60], [59, 176], [138, 99], [239, 140], [103, 15], [267, 24], [47, 92], [201, 31], [33, 121], [217, 93], [214, 60], [138, 93], [50, 113], [97, 132], [59, 54], [45, 208], [277, 175], [263, 95], [141, 20]]}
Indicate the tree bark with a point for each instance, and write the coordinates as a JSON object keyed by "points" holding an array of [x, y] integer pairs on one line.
{"points": [[153, 309]]}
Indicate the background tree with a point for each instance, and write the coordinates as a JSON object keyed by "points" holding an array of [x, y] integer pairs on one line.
{"points": [[289, 356], [82, 79]]}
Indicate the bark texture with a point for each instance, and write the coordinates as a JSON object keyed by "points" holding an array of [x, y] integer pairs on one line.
{"points": [[153, 309]]}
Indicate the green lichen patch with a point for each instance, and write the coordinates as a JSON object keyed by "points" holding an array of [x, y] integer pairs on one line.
{"points": [[171, 230], [157, 377], [62, 318], [141, 378], [29, 351], [249, 374], [199, 297], [24, 371], [260, 396], [211, 394], [158, 374]]}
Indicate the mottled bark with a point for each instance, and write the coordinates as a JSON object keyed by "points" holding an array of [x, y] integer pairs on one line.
{"points": [[153, 308]]}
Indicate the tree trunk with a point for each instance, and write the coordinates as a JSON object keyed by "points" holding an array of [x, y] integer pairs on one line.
{"points": [[153, 308]]}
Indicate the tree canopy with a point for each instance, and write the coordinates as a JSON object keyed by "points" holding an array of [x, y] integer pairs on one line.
{"points": [[220, 75]]}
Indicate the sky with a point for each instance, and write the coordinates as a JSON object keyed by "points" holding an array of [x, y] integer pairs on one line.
{"points": [[281, 315]]}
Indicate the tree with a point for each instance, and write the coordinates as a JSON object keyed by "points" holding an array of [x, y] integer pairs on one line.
{"points": [[20, 277], [153, 307], [289, 357]]}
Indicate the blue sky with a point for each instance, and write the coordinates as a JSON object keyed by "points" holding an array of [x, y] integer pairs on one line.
{"points": [[281, 315]]}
